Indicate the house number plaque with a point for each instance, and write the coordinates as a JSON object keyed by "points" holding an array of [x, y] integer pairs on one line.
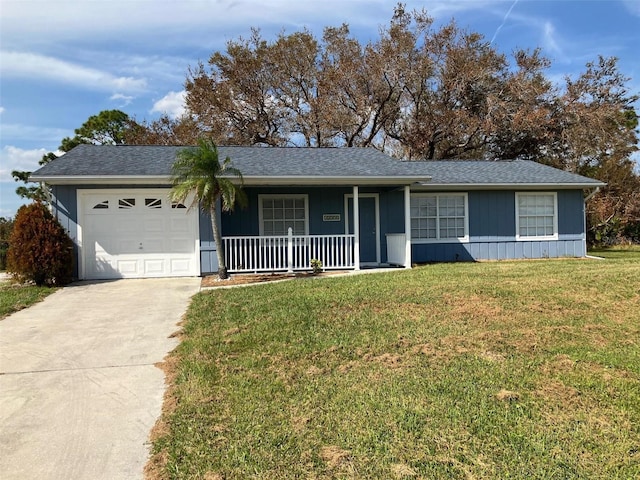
{"points": [[331, 217]]}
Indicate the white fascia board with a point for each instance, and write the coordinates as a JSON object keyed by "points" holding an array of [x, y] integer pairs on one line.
{"points": [[329, 181], [504, 186], [102, 180], [248, 180]]}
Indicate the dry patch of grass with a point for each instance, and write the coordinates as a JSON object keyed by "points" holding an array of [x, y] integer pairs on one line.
{"points": [[490, 370]]}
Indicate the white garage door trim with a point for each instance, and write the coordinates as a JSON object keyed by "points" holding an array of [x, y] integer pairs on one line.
{"points": [[135, 233]]}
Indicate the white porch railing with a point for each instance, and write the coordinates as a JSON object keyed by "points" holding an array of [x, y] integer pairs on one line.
{"points": [[288, 252]]}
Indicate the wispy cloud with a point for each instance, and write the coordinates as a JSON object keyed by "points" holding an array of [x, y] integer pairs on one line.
{"points": [[32, 65], [172, 104], [504, 20], [123, 100], [549, 38], [14, 158]]}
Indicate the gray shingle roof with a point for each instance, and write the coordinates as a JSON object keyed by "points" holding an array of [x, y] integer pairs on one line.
{"points": [[465, 172], [100, 163]]}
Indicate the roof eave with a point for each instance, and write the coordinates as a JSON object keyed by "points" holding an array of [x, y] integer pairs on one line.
{"points": [[102, 179], [248, 180], [507, 186], [332, 180]]}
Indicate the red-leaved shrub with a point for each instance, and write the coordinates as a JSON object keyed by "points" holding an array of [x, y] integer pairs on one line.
{"points": [[39, 248]]}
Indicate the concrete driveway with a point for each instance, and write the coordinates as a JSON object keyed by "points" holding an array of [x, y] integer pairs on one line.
{"points": [[79, 391]]}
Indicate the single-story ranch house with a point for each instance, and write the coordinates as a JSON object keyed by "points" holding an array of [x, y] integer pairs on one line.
{"points": [[347, 207]]}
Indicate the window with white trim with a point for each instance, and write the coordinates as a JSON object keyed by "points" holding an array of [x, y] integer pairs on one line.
{"points": [[279, 212], [439, 216], [536, 215]]}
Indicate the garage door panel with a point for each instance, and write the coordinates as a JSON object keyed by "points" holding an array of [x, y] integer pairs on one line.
{"points": [[127, 267], [181, 265], [154, 267], [155, 225], [178, 225], [125, 224], [125, 246], [179, 245], [136, 233], [155, 245]]}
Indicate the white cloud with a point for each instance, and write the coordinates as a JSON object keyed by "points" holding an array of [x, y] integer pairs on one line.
{"points": [[124, 100], [14, 158], [172, 104], [1, 110], [32, 65]]}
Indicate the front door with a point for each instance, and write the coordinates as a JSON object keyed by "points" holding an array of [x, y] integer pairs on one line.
{"points": [[368, 227]]}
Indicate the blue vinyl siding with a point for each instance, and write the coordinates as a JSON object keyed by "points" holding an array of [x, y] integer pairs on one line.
{"points": [[64, 203], [497, 250], [492, 213], [322, 200], [571, 212], [492, 231]]}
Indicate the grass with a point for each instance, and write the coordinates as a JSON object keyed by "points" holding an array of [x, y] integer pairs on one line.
{"points": [[17, 297], [514, 370]]}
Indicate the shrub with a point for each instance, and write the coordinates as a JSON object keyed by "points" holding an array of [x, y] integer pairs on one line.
{"points": [[316, 266], [39, 248], [6, 226]]}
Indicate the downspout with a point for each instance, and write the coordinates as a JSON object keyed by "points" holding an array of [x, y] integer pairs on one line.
{"points": [[588, 197], [356, 227], [407, 226], [47, 195]]}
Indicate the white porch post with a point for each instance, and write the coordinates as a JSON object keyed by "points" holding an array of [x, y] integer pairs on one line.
{"points": [[407, 226], [356, 228], [290, 250]]}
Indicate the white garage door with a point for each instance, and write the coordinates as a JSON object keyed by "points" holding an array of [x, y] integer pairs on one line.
{"points": [[136, 234]]}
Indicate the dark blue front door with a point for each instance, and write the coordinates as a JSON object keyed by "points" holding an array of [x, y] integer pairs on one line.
{"points": [[368, 233]]}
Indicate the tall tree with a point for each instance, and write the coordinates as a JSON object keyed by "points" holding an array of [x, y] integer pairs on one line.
{"points": [[422, 92], [596, 135], [198, 174], [106, 128], [234, 102], [183, 130]]}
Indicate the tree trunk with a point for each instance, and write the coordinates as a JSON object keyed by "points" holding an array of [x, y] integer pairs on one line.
{"points": [[222, 264]]}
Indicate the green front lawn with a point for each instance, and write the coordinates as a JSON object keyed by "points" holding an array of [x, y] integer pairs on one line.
{"points": [[519, 370], [16, 297]]}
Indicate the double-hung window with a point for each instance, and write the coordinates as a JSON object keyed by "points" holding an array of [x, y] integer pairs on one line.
{"points": [[439, 217], [279, 212], [536, 216]]}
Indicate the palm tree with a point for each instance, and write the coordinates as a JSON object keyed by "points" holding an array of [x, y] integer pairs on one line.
{"points": [[197, 172]]}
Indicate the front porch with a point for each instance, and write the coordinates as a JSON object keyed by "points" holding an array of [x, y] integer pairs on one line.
{"points": [[289, 253], [343, 228]]}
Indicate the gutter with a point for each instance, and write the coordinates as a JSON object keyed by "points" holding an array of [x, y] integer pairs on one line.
{"points": [[504, 186], [293, 180], [103, 180]]}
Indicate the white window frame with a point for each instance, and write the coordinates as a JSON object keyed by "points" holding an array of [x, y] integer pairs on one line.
{"points": [[554, 236], [463, 239], [275, 196]]}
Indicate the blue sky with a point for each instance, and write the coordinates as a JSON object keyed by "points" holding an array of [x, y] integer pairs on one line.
{"points": [[62, 61]]}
